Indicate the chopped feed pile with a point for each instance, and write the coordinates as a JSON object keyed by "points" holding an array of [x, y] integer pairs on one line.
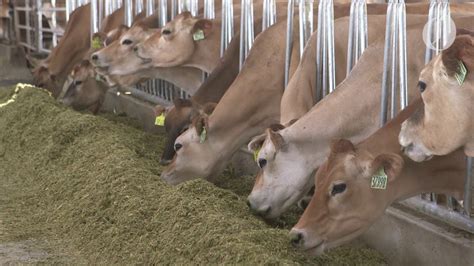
{"points": [[91, 186]]}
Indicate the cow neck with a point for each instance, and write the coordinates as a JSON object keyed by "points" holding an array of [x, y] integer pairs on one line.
{"points": [[187, 78], [443, 174], [207, 54]]}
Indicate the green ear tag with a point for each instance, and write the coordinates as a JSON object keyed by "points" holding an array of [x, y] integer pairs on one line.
{"points": [[255, 154], [160, 120], [461, 74], [203, 136], [96, 43], [198, 35], [379, 180]]}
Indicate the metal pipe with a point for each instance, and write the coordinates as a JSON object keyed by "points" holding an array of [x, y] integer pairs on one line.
{"points": [[174, 9], [94, 24], [128, 15], [453, 218], [138, 6], [305, 22], [403, 57], [39, 25], [388, 40], [209, 9], [269, 14], [468, 188], [150, 7], [163, 13], [319, 88], [358, 34], [289, 40], [227, 24]]}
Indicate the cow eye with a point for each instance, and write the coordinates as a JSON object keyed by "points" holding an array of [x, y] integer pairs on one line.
{"points": [[166, 32], [77, 82], [338, 188], [127, 42], [421, 86]]}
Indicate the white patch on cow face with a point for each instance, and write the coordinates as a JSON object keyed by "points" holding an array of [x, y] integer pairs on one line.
{"points": [[192, 160], [286, 178], [412, 145]]}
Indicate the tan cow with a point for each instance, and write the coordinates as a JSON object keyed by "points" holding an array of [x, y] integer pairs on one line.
{"points": [[445, 122], [357, 183], [289, 157], [257, 90]]}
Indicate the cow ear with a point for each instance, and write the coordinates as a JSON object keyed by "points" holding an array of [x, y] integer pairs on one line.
{"points": [[200, 123], [208, 108], [181, 103], [341, 146], [460, 53], [256, 143], [276, 139], [204, 26], [391, 163]]}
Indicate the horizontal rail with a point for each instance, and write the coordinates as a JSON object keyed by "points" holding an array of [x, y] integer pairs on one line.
{"points": [[434, 210]]}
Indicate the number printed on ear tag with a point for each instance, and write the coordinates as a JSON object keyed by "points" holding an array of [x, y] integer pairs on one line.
{"points": [[379, 180]]}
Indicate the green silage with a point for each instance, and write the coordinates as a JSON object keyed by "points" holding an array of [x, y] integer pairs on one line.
{"points": [[91, 186]]}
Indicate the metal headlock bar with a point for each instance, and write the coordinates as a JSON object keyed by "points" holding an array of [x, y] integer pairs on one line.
{"points": [[95, 23], [150, 7], [128, 13], [163, 16], [306, 22], [246, 30], [269, 14], [227, 24], [394, 66], [209, 9], [325, 58], [395, 76], [358, 33]]}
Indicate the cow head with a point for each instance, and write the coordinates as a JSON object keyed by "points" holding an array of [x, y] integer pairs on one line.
{"points": [[196, 154], [344, 205], [281, 180], [85, 91], [43, 78], [176, 43], [445, 122], [118, 57], [177, 121]]}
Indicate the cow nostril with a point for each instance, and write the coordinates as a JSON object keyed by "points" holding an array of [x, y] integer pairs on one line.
{"points": [[296, 239], [262, 163], [407, 148], [177, 146], [95, 57]]}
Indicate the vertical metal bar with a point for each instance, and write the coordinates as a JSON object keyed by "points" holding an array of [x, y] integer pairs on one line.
{"points": [[289, 40], [174, 9], [94, 24], [319, 38], [100, 12], [138, 6], [350, 40], [469, 189], [332, 58], [128, 15], [150, 7], [54, 23], [388, 38], [209, 9], [393, 51], [246, 30], [403, 56], [305, 22], [163, 12], [39, 26]]}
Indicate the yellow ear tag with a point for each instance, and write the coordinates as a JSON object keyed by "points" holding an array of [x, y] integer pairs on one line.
{"points": [[461, 74], [198, 35], [255, 154], [96, 43], [160, 120], [379, 180], [203, 136]]}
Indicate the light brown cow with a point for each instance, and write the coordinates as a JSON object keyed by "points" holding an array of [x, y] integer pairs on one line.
{"points": [[286, 174], [349, 195], [445, 122]]}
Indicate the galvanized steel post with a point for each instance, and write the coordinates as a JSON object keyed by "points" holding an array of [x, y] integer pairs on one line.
{"points": [[163, 13], [128, 14], [289, 39], [94, 18], [395, 60], [150, 7], [269, 14], [39, 25], [246, 30], [227, 24], [138, 6], [209, 9], [325, 58], [358, 33], [305, 22]]}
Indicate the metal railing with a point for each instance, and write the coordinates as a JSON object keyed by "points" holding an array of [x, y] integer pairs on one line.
{"points": [[457, 214]]}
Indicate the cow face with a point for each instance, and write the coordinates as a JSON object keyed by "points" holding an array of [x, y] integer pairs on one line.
{"points": [[445, 122], [84, 92], [281, 181], [344, 205], [176, 43], [44, 79], [195, 154], [178, 119], [118, 58]]}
